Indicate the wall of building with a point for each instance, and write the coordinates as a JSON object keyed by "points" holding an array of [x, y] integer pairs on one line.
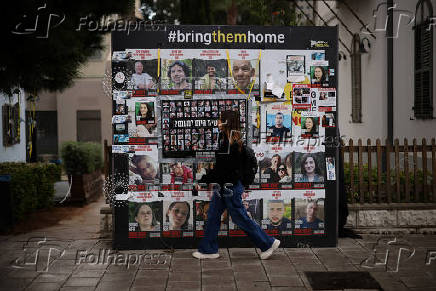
{"points": [[17, 152], [374, 73], [404, 123], [85, 94]]}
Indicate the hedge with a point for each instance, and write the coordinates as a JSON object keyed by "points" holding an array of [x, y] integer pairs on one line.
{"points": [[31, 186], [81, 157], [383, 176]]}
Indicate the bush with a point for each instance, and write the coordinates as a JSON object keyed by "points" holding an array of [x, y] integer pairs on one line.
{"points": [[81, 158], [31, 186], [373, 179]]}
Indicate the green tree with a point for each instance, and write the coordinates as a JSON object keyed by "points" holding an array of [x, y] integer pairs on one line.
{"points": [[232, 12], [49, 57]]}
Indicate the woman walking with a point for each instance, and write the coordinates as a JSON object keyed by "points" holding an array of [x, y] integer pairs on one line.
{"points": [[227, 171]]}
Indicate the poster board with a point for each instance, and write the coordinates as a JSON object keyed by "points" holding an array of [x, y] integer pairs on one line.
{"points": [[169, 87]]}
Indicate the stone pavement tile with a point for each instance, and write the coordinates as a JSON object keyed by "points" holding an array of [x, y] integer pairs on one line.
{"points": [[312, 267], [300, 251], [255, 269], [51, 278], [183, 254], [90, 267], [356, 257], [14, 283], [111, 277], [217, 272], [121, 269], [325, 251], [219, 288], [293, 288], [22, 274], [418, 281], [184, 276], [114, 285], [214, 264], [41, 286], [88, 273], [393, 286], [82, 282], [254, 286], [305, 260], [146, 281], [242, 252], [155, 274], [284, 281], [284, 263], [185, 264], [245, 261], [63, 267], [218, 281], [280, 270], [251, 276], [341, 267], [182, 286], [423, 289], [75, 288], [146, 288]]}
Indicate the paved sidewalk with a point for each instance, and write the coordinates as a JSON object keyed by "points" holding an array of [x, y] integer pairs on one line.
{"points": [[397, 263]]}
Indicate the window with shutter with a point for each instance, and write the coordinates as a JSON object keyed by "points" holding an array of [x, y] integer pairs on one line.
{"points": [[423, 103]]}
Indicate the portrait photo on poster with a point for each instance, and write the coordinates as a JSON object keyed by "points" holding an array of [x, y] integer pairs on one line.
{"points": [[328, 119], [176, 71], [142, 112], [201, 208], [276, 168], [178, 215], [243, 75], [295, 65], [309, 215], [319, 73], [278, 122], [254, 208], [143, 165], [177, 173], [145, 216], [209, 75], [309, 167], [277, 213], [330, 168], [301, 97], [144, 76]]}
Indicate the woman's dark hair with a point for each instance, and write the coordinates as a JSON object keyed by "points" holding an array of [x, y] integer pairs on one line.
{"points": [[288, 160], [277, 155], [153, 220], [323, 73], [231, 126], [314, 127], [303, 161], [185, 225], [185, 68], [149, 111]]}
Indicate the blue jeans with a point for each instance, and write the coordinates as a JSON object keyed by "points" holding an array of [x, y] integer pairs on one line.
{"points": [[233, 203]]}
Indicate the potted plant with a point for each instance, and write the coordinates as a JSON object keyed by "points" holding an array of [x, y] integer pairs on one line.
{"points": [[83, 162]]}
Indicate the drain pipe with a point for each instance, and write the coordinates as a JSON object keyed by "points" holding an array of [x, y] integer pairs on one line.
{"points": [[390, 69]]}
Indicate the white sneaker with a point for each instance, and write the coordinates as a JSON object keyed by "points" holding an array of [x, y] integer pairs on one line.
{"points": [[268, 253], [201, 256]]}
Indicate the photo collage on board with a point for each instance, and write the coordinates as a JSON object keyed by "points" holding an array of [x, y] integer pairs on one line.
{"points": [[166, 106]]}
